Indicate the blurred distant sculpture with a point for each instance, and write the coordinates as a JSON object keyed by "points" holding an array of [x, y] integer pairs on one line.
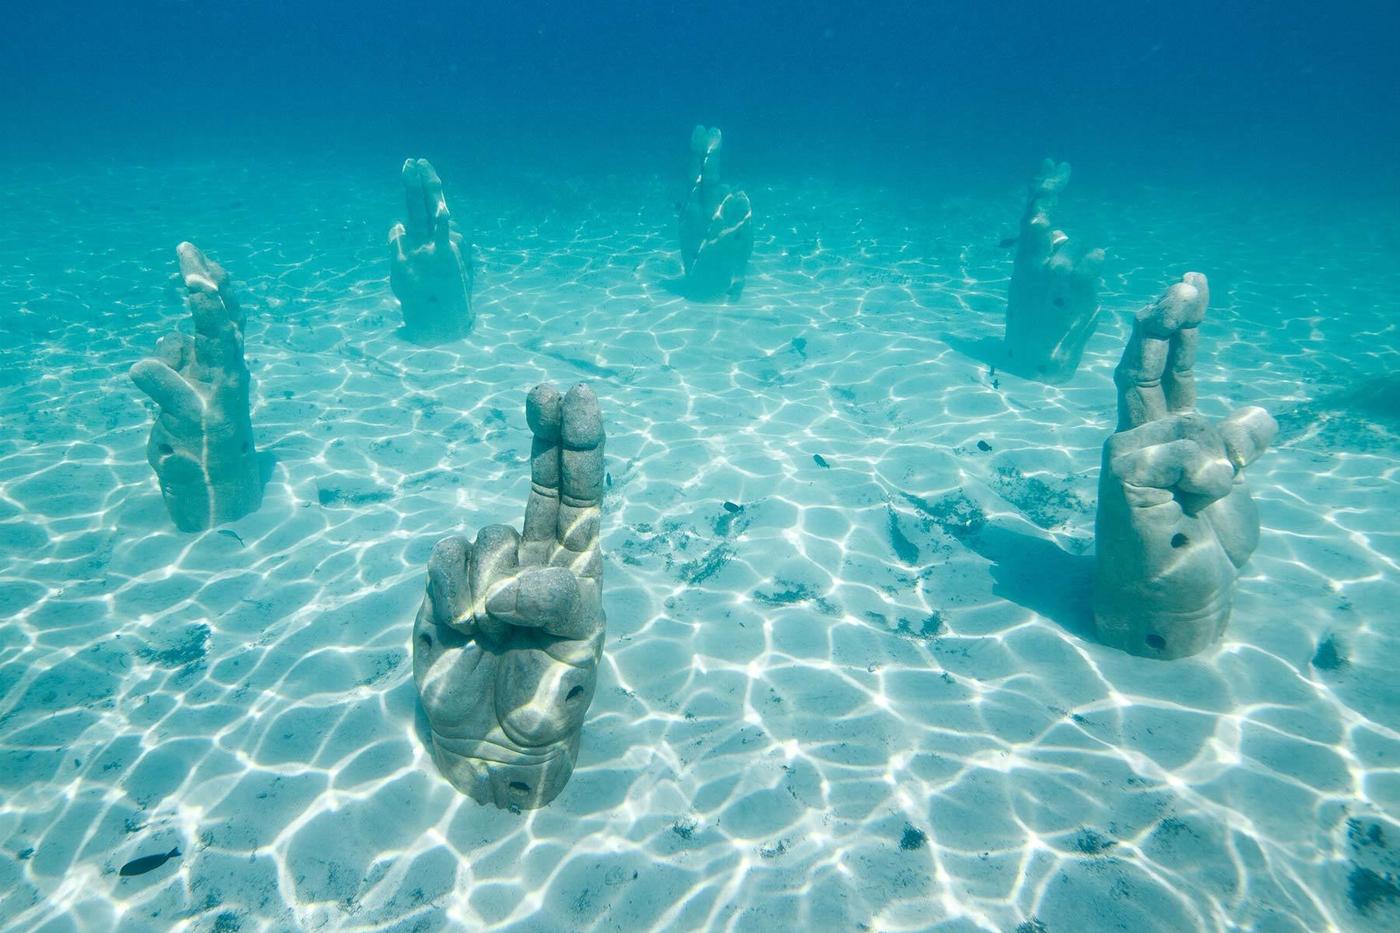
{"points": [[430, 266], [716, 226], [1053, 304], [508, 639], [201, 446], [1175, 521]]}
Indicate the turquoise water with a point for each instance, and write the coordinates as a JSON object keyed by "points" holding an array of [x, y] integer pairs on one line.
{"points": [[850, 679]]}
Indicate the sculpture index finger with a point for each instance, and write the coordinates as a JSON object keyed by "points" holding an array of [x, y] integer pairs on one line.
{"points": [[581, 483], [423, 198], [1179, 379], [544, 413], [1156, 374]]}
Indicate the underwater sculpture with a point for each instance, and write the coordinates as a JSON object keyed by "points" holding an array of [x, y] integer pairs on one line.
{"points": [[1052, 306], [507, 642], [430, 269], [716, 226], [201, 446], [1175, 522]]}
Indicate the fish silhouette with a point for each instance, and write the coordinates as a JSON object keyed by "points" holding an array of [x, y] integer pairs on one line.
{"points": [[139, 866]]}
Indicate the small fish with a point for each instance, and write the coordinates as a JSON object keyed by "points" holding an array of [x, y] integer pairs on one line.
{"points": [[1008, 242], [983, 446], [821, 461], [732, 508], [232, 534], [139, 866]]}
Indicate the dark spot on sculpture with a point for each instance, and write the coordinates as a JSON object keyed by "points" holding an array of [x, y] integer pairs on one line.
{"points": [[1156, 642], [574, 694], [608, 479], [145, 863], [912, 839], [426, 640], [1008, 242], [1033, 925], [519, 787], [1178, 540], [165, 450], [821, 461], [984, 446], [24, 854], [733, 508]]}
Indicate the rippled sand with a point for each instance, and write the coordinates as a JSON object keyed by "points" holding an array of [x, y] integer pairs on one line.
{"points": [[868, 699]]}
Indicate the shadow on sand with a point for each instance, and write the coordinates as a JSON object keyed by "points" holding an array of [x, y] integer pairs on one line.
{"points": [[1037, 574]]}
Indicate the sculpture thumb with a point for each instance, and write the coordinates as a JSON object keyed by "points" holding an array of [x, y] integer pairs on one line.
{"points": [[1247, 433], [168, 389]]}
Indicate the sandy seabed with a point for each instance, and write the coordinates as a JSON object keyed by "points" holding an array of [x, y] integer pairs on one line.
{"points": [[868, 699]]}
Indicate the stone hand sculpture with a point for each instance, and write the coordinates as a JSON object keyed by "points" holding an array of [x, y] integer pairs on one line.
{"points": [[1053, 304], [716, 226], [430, 267], [507, 642], [201, 446], [1175, 521]]}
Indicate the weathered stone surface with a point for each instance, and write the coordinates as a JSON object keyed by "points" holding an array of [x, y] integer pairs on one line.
{"points": [[716, 225], [507, 642], [1053, 304], [1175, 522], [201, 446], [430, 263]]}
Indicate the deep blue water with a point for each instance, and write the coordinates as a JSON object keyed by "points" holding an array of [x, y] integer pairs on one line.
{"points": [[1293, 90], [850, 678]]}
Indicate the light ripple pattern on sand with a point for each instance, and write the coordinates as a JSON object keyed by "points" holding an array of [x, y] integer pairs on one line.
{"points": [[870, 696]]}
